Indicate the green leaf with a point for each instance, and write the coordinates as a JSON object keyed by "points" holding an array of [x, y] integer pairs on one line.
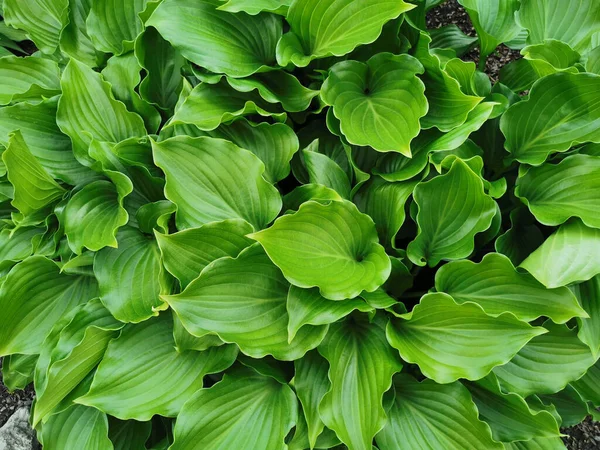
{"points": [[274, 144], [440, 415], [384, 203], [569, 405], [521, 74], [27, 78], [562, 110], [210, 105], [378, 103], [593, 61], [131, 381], [319, 29], [395, 167], [53, 150], [306, 192], [243, 411], [570, 254], [556, 53], [588, 294], [87, 110], [76, 427], [185, 341], [537, 444], [438, 336], [333, 247], [308, 307], [243, 301], [42, 20], [508, 415], [588, 385], [131, 277], [33, 297], [311, 383], [254, 7], [186, 253], [17, 371], [163, 65], [114, 25], [522, 238], [448, 220], [68, 359], [236, 44], [450, 36], [494, 22], [353, 406], [555, 193], [497, 287], [74, 39], [128, 434], [227, 182], [34, 190], [547, 363], [324, 171], [94, 214], [449, 107], [554, 19]]}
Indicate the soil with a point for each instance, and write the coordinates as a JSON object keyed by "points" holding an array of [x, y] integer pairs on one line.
{"points": [[451, 12], [9, 403]]}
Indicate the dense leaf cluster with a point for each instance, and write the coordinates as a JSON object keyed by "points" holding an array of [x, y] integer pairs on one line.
{"points": [[293, 224]]}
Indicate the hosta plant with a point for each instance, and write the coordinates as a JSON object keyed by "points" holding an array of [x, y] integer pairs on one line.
{"points": [[298, 224]]}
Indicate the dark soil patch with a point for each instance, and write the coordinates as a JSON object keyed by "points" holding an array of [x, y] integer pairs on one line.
{"points": [[585, 436], [451, 12], [9, 403]]}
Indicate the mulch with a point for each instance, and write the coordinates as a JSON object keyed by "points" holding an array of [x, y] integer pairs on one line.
{"points": [[9, 403]]}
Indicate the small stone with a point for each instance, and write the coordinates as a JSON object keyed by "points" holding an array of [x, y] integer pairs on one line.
{"points": [[16, 434]]}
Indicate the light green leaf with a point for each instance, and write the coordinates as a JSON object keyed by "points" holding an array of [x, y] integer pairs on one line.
{"points": [[69, 357], [311, 383], [76, 427], [593, 61], [94, 214], [131, 277], [547, 363], [562, 110], [186, 253], [438, 336], [353, 406], [570, 254], [450, 36], [508, 415], [306, 192], [114, 25], [243, 301], [254, 7], [537, 444], [384, 203], [494, 22], [588, 386], [42, 20], [130, 382], [53, 150], [87, 110], [556, 192], [244, 411], [324, 171], [588, 294], [519, 75], [378, 103], [333, 28], [448, 106], [34, 190], [556, 53], [333, 247], [28, 78], [308, 307], [74, 39], [555, 19], [497, 287], [448, 219], [33, 297], [162, 64], [433, 416], [394, 167], [236, 44], [210, 105], [275, 144], [226, 182]]}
